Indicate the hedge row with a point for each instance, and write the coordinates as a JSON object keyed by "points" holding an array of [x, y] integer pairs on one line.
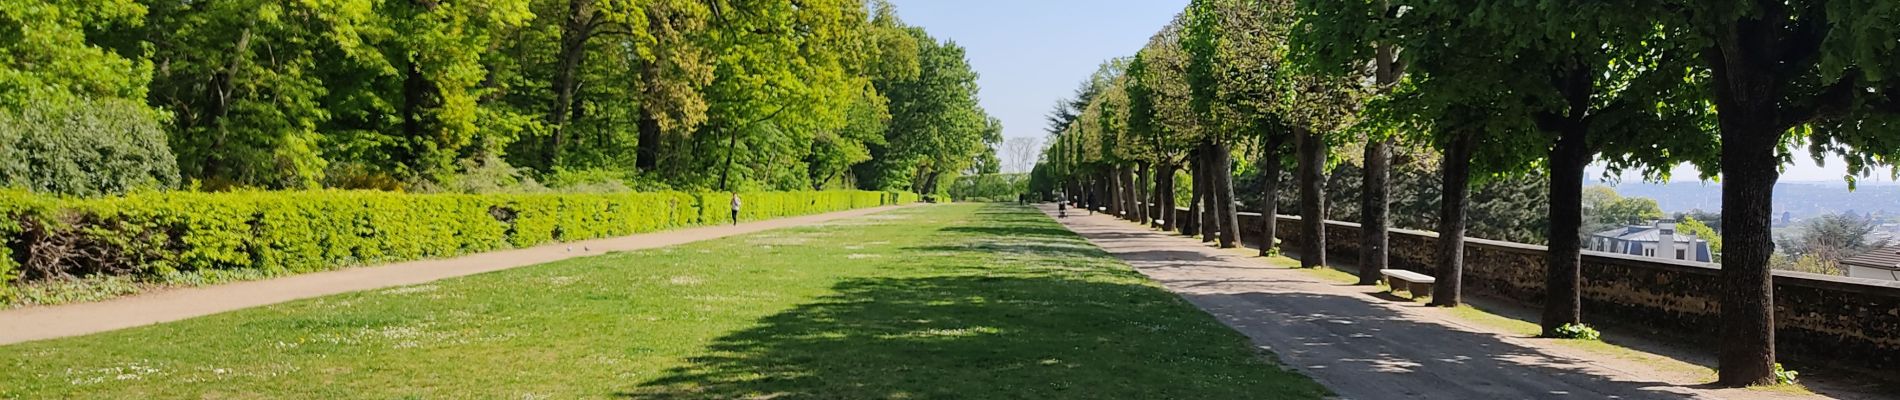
{"points": [[159, 233]]}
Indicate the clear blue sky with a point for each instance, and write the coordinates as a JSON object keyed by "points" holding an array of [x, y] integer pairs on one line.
{"points": [[1032, 52]]}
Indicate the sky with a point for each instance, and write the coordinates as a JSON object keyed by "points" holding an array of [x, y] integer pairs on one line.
{"points": [[1031, 53]]}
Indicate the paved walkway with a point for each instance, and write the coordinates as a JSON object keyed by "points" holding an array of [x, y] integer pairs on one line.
{"points": [[35, 323], [1365, 345]]}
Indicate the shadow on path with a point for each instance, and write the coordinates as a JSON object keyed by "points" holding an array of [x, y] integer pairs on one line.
{"points": [[1361, 347]]}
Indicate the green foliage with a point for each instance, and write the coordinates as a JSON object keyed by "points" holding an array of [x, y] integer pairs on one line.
{"points": [[990, 187], [1784, 376], [151, 235], [1819, 244], [1692, 226], [74, 146], [44, 51], [1578, 332], [1512, 208], [936, 126], [1604, 209], [477, 96]]}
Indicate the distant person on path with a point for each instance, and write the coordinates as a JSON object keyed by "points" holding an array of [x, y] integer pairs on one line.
{"points": [[1062, 207], [735, 208]]}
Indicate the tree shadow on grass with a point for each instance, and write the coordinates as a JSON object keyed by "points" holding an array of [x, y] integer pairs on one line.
{"points": [[982, 337]]}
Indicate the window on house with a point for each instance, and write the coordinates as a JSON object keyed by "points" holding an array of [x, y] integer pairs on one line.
{"points": [[1649, 252], [1682, 254]]}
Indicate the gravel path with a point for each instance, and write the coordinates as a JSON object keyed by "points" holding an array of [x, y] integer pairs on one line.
{"points": [[1365, 345], [36, 323]]}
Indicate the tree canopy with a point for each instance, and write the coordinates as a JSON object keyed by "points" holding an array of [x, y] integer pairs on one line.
{"points": [[425, 95]]}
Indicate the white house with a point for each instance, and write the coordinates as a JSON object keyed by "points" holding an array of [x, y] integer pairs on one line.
{"points": [[1659, 240]]}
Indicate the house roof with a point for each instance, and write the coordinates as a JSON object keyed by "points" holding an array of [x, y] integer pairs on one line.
{"points": [[1643, 234], [1883, 258]]}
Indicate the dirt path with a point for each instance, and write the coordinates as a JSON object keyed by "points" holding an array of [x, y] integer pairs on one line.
{"points": [[35, 323], [1365, 345]]}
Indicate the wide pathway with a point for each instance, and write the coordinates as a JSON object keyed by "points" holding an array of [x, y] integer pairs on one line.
{"points": [[1365, 345], [35, 323]]}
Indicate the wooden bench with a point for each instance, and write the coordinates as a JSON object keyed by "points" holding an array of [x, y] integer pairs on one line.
{"points": [[1413, 281]]}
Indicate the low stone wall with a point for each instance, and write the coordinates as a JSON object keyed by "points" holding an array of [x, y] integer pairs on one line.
{"points": [[1820, 318]]}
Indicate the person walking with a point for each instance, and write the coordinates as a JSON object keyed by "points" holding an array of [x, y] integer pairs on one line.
{"points": [[735, 208], [1062, 207]]}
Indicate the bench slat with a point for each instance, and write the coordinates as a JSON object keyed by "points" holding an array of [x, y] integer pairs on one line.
{"points": [[1408, 276]]}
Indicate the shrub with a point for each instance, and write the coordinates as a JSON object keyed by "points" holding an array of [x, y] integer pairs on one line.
{"points": [[84, 147], [1785, 376], [1577, 331], [152, 235]]}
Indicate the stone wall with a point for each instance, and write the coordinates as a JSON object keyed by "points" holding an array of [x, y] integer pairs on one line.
{"points": [[1820, 318]]}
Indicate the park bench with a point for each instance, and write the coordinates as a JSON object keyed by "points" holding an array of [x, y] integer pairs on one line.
{"points": [[1413, 281]]}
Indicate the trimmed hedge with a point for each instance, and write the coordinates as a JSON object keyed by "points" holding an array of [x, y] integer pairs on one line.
{"points": [[153, 234]]}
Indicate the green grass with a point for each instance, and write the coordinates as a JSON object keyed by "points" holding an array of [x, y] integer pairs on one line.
{"points": [[955, 301]]}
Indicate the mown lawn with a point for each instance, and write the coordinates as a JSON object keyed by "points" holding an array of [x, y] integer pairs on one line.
{"points": [[959, 301]]}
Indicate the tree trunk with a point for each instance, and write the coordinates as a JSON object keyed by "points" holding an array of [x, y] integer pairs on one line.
{"points": [[1164, 197], [1748, 314], [1374, 201], [574, 34], [1270, 188], [1120, 207], [1131, 203], [1563, 280], [647, 151], [416, 97], [1144, 200], [1210, 201], [1224, 192], [1456, 179], [1191, 225], [1312, 177]]}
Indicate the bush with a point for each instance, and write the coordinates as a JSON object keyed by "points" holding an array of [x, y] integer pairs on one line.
{"points": [[151, 235], [84, 148], [1784, 376], [1577, 331]]}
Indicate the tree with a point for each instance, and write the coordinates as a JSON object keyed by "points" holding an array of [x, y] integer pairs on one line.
{"points": [[1339, 38], [1782, 71], [1692, 226], [48, 55], [1619, 89], [1162, 120], [1021, 153], [936, 127], [84, 147], [1824, 241], [1236, 63]]}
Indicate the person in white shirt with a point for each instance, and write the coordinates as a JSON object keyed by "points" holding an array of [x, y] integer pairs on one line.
{"points": [[735, 208]]}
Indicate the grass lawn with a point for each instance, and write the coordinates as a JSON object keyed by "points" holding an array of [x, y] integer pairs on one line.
{"points": [[955, 301]]}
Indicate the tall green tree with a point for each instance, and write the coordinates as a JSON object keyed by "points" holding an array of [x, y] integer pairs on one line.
{"points": [[1782, 71], [1342, 38], [46, 51]]}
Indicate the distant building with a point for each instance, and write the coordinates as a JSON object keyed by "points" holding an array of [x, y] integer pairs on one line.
{"points": [[1659, 240], [1882, 263]]}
